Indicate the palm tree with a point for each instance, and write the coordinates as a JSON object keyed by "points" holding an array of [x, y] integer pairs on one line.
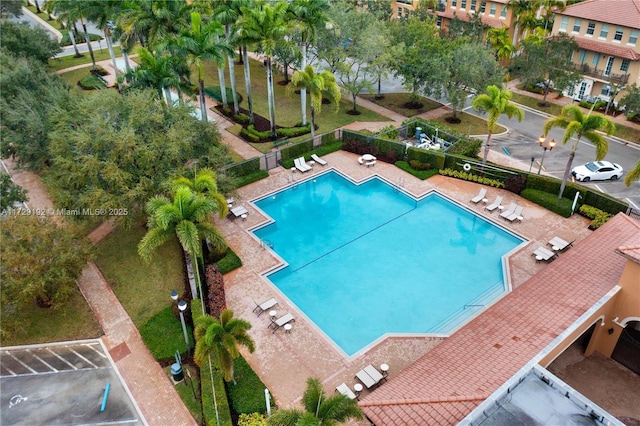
{"points": [[308, 17], [220, 339], [186, 215], [152, 21], [495, 102], [319, 409], [267, 25], [72, 11], [316, 84], [633, 174], [578, 125], [243, 38], [157, 71], [499, 39], [524, 12], [200, 43]]}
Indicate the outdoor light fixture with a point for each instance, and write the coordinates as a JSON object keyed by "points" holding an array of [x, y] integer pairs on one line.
{"points": [[546, 145], [182, 306]]}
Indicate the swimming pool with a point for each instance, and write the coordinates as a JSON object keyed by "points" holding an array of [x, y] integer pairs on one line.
{"points": [[365, 260]]}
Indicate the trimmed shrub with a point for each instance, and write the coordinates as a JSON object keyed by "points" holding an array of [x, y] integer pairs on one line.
{"points": [[292, 132], [467, 147], [251, 177], [249, 136], [230, 261], [328, 138], [420, 174], [604, 202], [91, 82], [472, 177], [254, 419], [217, 301], [597, 216], [515, 183], [247, 394], [434, 158], [549, 201], [163, 335], [241, 118]]}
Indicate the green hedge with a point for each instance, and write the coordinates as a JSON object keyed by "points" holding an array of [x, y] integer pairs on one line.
{"points": [[163, 335], [434, 158], [229, 262], [295, 151], [549, 201], [91, 82], [320, 151], [472, 177], [247, 394], [597, 216], [208, 407], [420, 174], [243, 168], [604, 202]]}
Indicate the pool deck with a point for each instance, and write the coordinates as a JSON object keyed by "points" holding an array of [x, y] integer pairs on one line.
{"points": [[284, 361]]}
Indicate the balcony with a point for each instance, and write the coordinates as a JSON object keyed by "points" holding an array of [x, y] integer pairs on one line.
{"points": [[600, 75]]}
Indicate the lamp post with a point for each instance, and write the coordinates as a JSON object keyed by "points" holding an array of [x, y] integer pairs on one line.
{"points": [[182, 306], [546, 145]]}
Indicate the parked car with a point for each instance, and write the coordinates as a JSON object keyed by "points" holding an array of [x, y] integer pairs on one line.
{"points": [[597, 170]]}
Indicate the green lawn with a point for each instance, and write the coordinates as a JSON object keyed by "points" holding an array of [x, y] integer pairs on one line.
{"points": [[64, 62], [469, 124], [143, 289], [189, 390], [288, 111], [395, 102], [72, 77]]}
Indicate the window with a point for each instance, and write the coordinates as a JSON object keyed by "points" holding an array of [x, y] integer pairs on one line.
{"points": [[483, 6], [608, 66], [406, 13], [577, 23], [583, 56], [591, 28], [595, 59], [454, 3], [503, 11], [563, 23], [463, 4], [492, 10], [439, 22], [633, 37], [473, 4], [604, 31], [607, 90], [399, 12], [624, 66], [618, 35]]}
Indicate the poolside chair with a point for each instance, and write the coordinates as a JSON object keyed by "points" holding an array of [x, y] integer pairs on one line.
{"points": [[369, 376], [345, 390], [239, 211], [370, 163], [558, 244], [318, 160], [497, 203], [508, 212], [301, 165], [280, 322], [480, 196], [542, 253], [264, 306], [517, 214]]}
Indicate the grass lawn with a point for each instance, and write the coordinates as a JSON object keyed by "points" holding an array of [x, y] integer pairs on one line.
{"points": [[189, 390], [395, 102], [469, 124], [56, 64], [288, 111], [143, 289], [74, 321], [73, 77]]}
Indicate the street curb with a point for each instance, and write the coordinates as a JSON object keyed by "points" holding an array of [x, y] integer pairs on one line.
{"points": [[44, 23]]}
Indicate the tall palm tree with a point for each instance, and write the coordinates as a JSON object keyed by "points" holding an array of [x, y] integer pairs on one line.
{"points": [[244, 38], [578, 125], [157, 71], [495, 102], [267, 24], [308, 17], [524, 12], [200, 43], [220, 339], [633, 174], [317, 84], [72, 11], [499, 39], [153, 21], [319, 409], [186, 215]]}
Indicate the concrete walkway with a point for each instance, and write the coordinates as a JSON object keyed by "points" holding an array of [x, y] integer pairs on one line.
{"points": [[150, 386]]}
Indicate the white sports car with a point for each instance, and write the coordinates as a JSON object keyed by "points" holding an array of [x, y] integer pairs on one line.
{"points": [[597, 170]]}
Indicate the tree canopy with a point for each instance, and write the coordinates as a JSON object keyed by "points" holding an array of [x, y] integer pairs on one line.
{"points": [[22, 39]]}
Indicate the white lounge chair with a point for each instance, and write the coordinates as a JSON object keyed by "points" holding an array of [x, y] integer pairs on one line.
{"points": [[265, 306], [369, 376], [517, 213], [301, 165], [370, 163], [318, 160], [345, 390], [508, 212], [480, 196], [374, 373], [497, 203], [542, 253], [558, 244], [239, 211], [280, 322]]}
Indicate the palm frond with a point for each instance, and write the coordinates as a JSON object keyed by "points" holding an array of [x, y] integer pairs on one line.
{"points": [[153, 239], [633, 174]]}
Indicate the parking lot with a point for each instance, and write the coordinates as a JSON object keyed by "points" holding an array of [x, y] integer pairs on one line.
{"points": [[63, 384]]}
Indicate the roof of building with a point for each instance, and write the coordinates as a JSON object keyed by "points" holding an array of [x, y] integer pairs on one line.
{"points": [[625, 13], [448, 382], [631, 248], [464, 16], [608, 48]]}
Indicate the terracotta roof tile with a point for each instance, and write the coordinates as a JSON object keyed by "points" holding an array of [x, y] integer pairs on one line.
{"points": [[608, 48], [464, 16], [448, 382], [617, 12]]}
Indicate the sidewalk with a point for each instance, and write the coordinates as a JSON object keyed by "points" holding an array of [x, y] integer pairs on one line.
{"points": [[150, 386]]}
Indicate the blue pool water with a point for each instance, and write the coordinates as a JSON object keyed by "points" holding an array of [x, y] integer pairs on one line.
{"points": [[365, 260]]}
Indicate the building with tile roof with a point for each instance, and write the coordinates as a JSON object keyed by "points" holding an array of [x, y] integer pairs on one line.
{"points": [[591, 292], [607, 33]]}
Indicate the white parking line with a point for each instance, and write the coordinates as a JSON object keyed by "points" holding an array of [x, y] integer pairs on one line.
{"points": [[598, 188], [97, 351], [13, 373], [43, 361], [80, 356], [62, 359], [632, 203], [23, 364]]}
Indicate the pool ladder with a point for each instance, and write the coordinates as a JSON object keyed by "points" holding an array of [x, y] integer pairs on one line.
{"points": [[266, 243]]}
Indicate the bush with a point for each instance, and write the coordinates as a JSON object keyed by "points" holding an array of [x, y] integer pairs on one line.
{"points": [[515, 183], [254, 419], [217, 301], [241, 118], [91, 82], [597, 216], [467, 147], [251, 177], [249, 136], [417, 165], [549, 201], [247, 394], [163, 335], [434, 158], [420, 174], [230, 261], [292, 132], [472, 177]]}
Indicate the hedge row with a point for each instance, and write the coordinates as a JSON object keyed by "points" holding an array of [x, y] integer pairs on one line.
{"points": [[434, 158], [250, 133], [549, 201], [597, 216], [320, 151], [247, 393], [472, 178], [420, 174]]}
